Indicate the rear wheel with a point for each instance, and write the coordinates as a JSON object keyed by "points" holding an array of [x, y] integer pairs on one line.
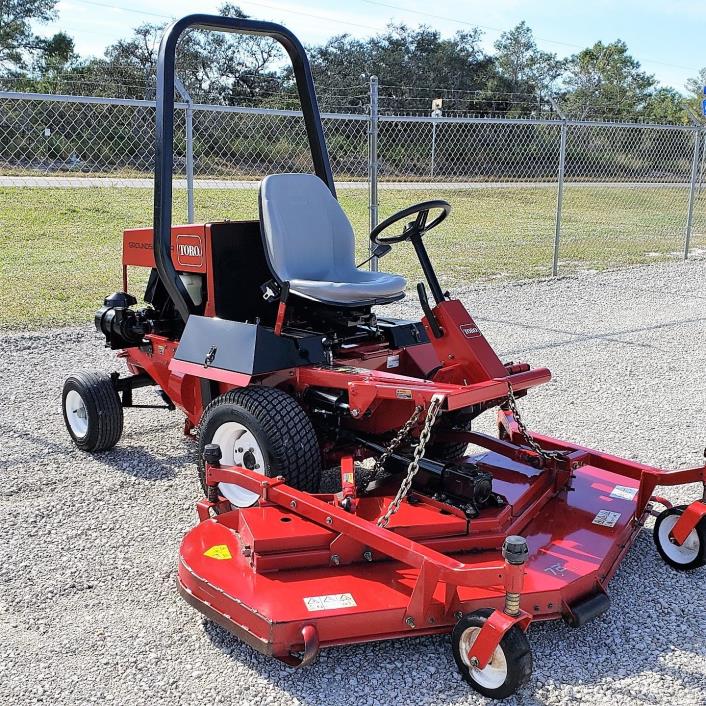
{"points": [[92, 411], [265, 430], [510, 665], [448, 451], [683, 557]]}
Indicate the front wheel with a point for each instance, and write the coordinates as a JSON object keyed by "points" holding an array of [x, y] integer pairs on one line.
{"points": [[264, 430], [509, 667], [684, 557]]}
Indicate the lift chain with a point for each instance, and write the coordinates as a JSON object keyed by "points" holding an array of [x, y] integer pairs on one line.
{"points": [[374, 473], [432, 413], [529, 439], [401, 435]]}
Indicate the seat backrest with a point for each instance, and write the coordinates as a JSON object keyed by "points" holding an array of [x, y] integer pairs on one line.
{"points": [[306, 233]]}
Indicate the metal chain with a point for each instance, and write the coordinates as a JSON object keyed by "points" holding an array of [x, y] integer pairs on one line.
{"points": [[529, 439], [394, 506], [401, 435], [370, 475]]}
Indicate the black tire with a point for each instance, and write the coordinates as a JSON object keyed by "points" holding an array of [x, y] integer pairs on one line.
{"points": [[681, 561], [281, 427], [448, 451], [101, 406], [516, 650], [444, 452]]}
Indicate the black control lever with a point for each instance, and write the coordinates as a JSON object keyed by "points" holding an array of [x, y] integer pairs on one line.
{"points": [[424, 301], [378, 251]]}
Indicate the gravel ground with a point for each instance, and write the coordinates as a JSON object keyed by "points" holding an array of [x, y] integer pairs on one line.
{"points": [[89, 610]]}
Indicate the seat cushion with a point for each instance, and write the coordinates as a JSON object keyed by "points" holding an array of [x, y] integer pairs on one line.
{"points": [[382, 286], [310, 243]]}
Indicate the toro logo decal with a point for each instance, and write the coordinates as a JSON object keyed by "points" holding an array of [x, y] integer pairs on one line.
{"points": [[469, 330], [189, 250]]}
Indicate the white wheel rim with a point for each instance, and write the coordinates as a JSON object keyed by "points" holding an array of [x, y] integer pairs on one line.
{"points": [[76, 414], [494, 674], [679, 554], [239, 448]]}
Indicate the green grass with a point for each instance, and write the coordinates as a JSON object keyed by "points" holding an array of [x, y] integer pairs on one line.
{"points": [[60, 248]]}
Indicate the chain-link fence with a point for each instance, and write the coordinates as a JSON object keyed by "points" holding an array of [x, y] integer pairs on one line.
{"points": [[530, 197]]}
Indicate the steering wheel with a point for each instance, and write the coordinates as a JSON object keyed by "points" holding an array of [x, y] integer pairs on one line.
{"points": [[418, 226]]}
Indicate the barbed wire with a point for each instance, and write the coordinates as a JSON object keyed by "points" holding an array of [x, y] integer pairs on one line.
{"points": [[393, 100]]}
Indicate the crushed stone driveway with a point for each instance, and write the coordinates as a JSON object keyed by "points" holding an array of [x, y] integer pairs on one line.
{"points": [[89, 611]]}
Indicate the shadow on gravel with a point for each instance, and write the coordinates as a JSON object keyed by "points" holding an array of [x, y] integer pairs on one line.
{"points": [[419, 671], [140, 462], [136, 461], [422, 670], [629, 678]]}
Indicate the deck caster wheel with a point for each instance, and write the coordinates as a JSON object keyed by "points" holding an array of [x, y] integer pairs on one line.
{"points": [[92, 411], [509, 667], [685, 557], [265, 430]]}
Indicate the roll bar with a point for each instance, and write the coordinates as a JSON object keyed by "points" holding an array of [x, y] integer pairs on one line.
{"points": [[164, 147]]}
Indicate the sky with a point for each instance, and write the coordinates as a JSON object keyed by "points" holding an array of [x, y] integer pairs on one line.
{"points": [[668, 38]]}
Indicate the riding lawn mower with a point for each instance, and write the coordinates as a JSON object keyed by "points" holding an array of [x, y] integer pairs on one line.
{"points": [[278, 350]]}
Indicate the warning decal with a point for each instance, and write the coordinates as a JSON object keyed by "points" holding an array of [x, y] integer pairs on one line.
{"points": [[336, 600], [218, 551], [623, 492], [606, 518]]}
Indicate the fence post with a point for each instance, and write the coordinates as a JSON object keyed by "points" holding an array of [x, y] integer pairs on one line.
{"points": [[190, 162], [692, 191], [559, 197], [701, 171], [373, 163], [433, 145], [181, 88]]}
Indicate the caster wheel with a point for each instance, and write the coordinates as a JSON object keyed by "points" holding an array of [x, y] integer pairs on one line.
{"points": [[510, 666], [688, 556], [92, 411]]}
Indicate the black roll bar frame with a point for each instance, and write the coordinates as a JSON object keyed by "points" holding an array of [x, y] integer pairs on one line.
{"points": [[164, 137]]}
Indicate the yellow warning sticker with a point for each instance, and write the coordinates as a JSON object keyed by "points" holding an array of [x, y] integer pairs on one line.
{"points": [[218, 551]]}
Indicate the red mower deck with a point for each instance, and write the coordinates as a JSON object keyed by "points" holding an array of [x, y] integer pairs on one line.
{"points": [[296, 573]]}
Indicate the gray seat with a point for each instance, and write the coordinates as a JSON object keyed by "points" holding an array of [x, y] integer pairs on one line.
{"points": [[310, 244]]}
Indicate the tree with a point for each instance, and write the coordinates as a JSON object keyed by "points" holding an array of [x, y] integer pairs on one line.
{"points": [[214, 66], [666, 106], [17, 40], [235, 67], [529, 71], [414, 66], [338, 66], [604, 81], [695, 86]]}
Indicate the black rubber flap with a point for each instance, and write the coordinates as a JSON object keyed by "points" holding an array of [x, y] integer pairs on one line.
{"points": [[587, 609]]}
